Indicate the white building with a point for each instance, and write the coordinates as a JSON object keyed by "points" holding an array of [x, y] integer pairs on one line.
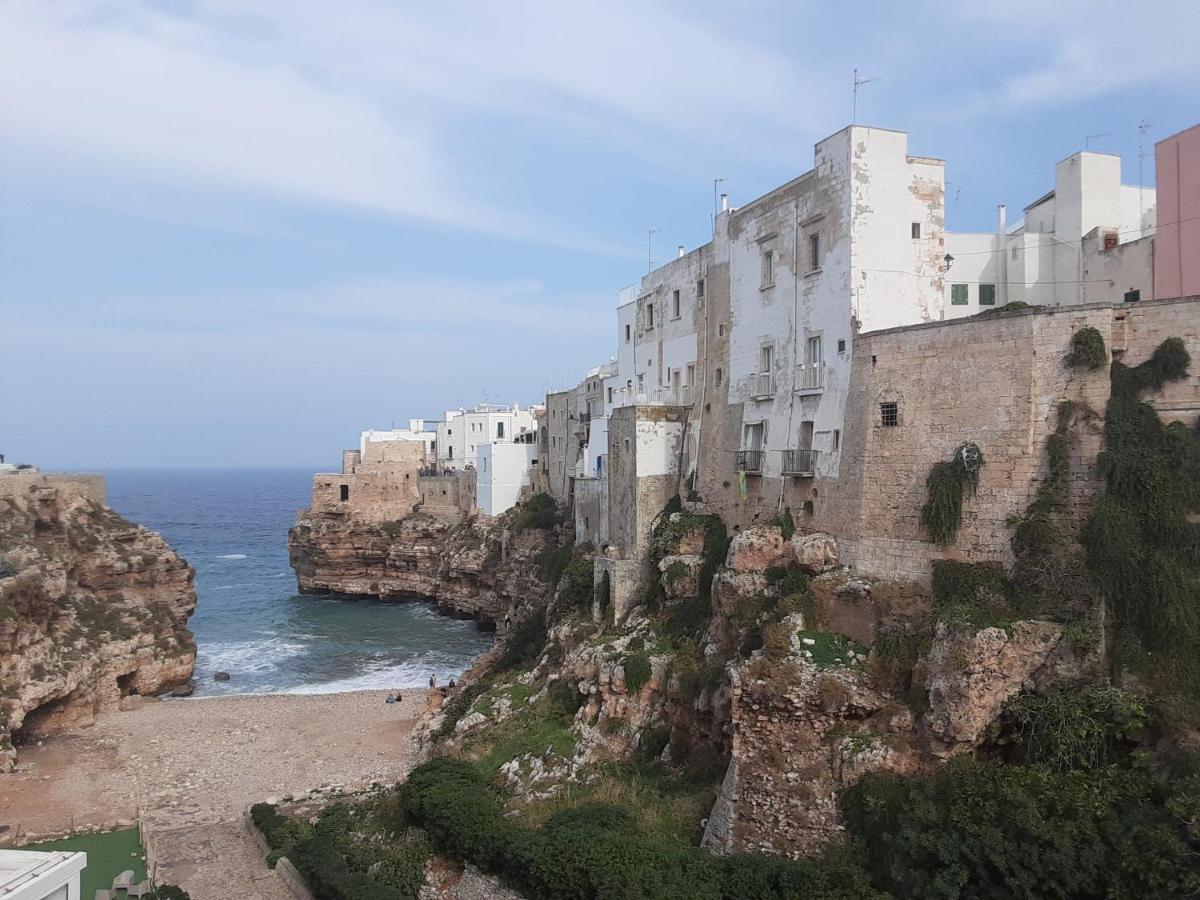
{"points": [[464, 431], [1078, 243], [504, 469], [417, 430], [32, 875]]}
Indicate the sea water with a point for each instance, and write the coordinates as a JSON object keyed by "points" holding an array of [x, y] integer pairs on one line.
{"points": [[232, 525]]}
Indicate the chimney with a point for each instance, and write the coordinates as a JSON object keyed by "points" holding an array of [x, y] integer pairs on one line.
{"points": [[1002, 217], [724, 203], [681, 251]]}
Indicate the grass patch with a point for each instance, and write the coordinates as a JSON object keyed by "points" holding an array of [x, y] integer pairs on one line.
{"points": [[108, 855], [827, 650]]}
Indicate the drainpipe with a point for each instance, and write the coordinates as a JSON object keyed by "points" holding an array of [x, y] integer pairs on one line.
{"points": [[795, 334], [1002, 231]]}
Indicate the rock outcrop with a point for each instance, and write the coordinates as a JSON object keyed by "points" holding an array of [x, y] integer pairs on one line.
{"points": [[477, 568], [92, 608]]}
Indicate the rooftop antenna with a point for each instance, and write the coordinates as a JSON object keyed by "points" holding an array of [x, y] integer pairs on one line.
{"points": [[716, 201], [858, 82], [1143, 127], [653, 230], [1087, 140]]}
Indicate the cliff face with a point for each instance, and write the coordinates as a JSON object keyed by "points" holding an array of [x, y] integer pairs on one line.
{"points": [[477, 568], [92, 608]]}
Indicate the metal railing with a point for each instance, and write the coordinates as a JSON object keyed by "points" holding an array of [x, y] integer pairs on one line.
{"points": [[655, 396], [764, 384], [749, 460], [811, 377], [800, 462]]}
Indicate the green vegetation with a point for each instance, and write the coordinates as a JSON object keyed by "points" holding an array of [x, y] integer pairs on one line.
{"points": [[1085, 728], [538, 727], [990, 830], [538, 512], [669, 530], [976, 594], [825, 649], [577, 585], [1141, 547], [942, 513], [785, 523], [1087, 349], [1008, 309], [601, 850], [637, 671]]}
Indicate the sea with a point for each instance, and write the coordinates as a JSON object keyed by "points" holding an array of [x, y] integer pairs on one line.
{"points": [[251, 622]]}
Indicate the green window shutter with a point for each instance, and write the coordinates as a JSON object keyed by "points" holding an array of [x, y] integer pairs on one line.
{"points": [[958, 295], [987, 295]]}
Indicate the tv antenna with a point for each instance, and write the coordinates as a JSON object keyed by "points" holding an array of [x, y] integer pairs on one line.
{"points": [[1087, 140], [717, 182], [1143, 127], [858, 82], [653, 230]]}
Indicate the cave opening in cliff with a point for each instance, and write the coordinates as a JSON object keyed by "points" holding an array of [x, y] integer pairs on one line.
{"points": [[126, 685], [39, 722]]}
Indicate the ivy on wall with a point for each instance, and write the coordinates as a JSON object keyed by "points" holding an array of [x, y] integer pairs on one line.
{"points": [[948, 481]]}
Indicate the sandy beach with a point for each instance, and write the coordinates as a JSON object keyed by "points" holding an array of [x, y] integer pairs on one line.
{"points": [[192, 767]]}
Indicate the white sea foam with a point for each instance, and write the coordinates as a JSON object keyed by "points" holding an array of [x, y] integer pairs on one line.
{"points": [[262, 655], [232, 556], [409, 674]]}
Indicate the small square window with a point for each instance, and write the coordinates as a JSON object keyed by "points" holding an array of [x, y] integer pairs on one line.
{"points": [[700, 289], [627, 333], [721, 330], [675, 304], [649, 315], [814, 251], [768, 268], [916, 230], [1133, 296], [837, 439], [987, 295], [889, 414], [958, 295], [720, 375], [842, 345]]}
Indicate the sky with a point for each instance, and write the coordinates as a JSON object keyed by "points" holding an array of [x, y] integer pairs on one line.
{"points": [[238, 232]]}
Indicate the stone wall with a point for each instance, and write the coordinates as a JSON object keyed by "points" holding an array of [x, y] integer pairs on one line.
{"points": [[448, 497], [644, 448], [379, 487], [28, 482]]}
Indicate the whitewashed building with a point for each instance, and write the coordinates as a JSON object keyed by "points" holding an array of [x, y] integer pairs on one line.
{"points": [[463, 431], [504, 470], [34, 875]]}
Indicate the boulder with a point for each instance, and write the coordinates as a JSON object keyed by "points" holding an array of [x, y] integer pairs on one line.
{"points": [[815, 553], [184, 690], [680, 576], [757, 549], [220, 676]]}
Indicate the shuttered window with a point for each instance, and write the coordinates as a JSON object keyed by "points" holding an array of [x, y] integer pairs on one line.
{"points": [[958, 295], [987, 295]]}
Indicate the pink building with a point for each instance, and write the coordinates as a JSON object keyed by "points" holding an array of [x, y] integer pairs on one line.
{"points": [[1177, 244]]}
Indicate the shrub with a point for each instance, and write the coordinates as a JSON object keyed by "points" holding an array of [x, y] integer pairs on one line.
{"points": [[988, 830], [329, 877], [577, 585], [776, 640], [976, 594], [1087, 349], [786, 524], [787, 580], [523, 645], [637, 671], [599, 850], [169, 892], [551, 563], [1084, 728], [537, 512], [942, 513]]}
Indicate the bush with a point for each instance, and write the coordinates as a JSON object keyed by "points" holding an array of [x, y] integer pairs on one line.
{"points": [[637, 671], [600, 851], [537, 512], [328, 876], [523, 645], [1084, 728], [577, 584], [988, 830], [976, 594], [169, 892]]}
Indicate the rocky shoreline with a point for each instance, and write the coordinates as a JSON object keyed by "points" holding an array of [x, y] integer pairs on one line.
{"points": [[93, 608]]}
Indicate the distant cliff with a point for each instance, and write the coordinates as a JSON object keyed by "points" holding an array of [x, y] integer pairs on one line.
{"points": [[92, 608], [477, 568]]}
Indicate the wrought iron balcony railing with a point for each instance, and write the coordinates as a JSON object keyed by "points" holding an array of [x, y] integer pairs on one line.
{"points": [[749, 461], [764, 384], [810, 378], [800, 462]]}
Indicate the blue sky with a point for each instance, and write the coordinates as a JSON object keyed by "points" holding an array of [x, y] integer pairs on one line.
{"points": [[237, 232]]}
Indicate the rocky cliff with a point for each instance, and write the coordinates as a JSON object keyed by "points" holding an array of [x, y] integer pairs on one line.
{"points": [[92, 608], [479, 568]]}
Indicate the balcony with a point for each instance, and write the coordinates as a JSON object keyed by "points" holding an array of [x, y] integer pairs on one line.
{"points": [[749, 461], [655, 396], [810, 379], [800, 463], [763, 386]]}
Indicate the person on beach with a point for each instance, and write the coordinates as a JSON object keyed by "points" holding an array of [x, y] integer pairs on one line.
{"points": [[432, 682], [451, 684]]}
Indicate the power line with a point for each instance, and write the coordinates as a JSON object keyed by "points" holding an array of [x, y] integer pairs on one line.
{"points": [[1158, 226], [1011, 284]]}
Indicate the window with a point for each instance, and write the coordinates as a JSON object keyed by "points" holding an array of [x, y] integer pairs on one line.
{"points": [[987, 295], [649, 316], [766, 357], [627, 332], [719, 375], [675, 304], [836, 442], [1133, 296], [806, 435], [754, 436], [1013, 252], [450, 453], [691, 374], [916, 230], [641, 381], [345, 492], [841, 345], [721, 330], [889, 414], [768, 268], [610, 395], [958, 295], [499, 429], [700, 289], [816, 354], [814, 251]]}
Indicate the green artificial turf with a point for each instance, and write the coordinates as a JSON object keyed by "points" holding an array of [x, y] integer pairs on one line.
{"points": [[108, 855]]}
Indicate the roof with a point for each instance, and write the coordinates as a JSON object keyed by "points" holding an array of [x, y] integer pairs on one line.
{"points": [[1040, 200], [21, 868]]}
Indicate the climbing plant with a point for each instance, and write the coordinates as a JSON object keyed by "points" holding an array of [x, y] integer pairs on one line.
{"points": [[1141, 547], [947, 482], [1087, 349]]}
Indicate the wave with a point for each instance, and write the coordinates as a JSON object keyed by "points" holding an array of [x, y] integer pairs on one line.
{"points": [[408, 675], [246, 657], [232, 556]]}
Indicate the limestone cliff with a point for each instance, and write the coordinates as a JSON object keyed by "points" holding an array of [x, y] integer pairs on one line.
{"points": [[92, 608], [479, 568]]}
